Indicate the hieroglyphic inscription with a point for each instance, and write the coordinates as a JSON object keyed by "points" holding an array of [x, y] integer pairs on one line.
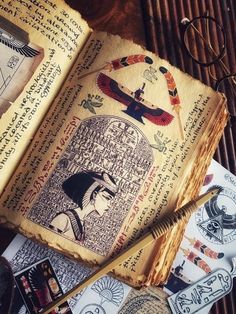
{"points": [[101, 144]]}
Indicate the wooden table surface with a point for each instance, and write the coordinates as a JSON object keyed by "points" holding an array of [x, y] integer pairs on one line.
{"points": [[155, 24]]}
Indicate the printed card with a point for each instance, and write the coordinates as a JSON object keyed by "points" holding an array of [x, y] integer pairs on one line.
{"points": [[210, 236], [37, 286]]}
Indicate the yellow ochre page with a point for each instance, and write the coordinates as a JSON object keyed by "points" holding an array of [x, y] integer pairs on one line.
{"points": [[39, 41]]}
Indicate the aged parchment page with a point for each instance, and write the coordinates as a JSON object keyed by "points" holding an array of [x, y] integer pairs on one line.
{"points": [[37, 47], [127, 139]]}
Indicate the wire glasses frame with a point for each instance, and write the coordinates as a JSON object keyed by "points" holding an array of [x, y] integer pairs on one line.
{"points": [[199, 35]]}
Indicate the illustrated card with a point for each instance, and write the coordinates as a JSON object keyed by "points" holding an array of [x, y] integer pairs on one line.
{"points": [[104, 296], [210, 236], [202, 293], [39, 286], [19, 60]]}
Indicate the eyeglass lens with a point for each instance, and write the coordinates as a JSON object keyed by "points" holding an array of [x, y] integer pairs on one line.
{"points": [[205, 40]]}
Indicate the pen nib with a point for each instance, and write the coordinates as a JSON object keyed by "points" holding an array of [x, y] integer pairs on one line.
{"points": [[207, 196]]}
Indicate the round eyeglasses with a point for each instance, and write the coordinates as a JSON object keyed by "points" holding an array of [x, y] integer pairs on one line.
{"points": [[205, 42]]}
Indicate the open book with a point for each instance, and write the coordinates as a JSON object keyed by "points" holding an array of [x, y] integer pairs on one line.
{"points": [[98, 138]]}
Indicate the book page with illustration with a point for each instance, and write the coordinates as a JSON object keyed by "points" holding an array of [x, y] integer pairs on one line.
{"points": [[38, 44], [127, 139]]}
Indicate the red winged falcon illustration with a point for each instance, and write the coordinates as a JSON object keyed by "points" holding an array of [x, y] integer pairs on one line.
{"points": [[137, 107]]}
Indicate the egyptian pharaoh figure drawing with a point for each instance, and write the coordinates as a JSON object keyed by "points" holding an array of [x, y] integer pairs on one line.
{"points": [[91, 191], [107, 150]]}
